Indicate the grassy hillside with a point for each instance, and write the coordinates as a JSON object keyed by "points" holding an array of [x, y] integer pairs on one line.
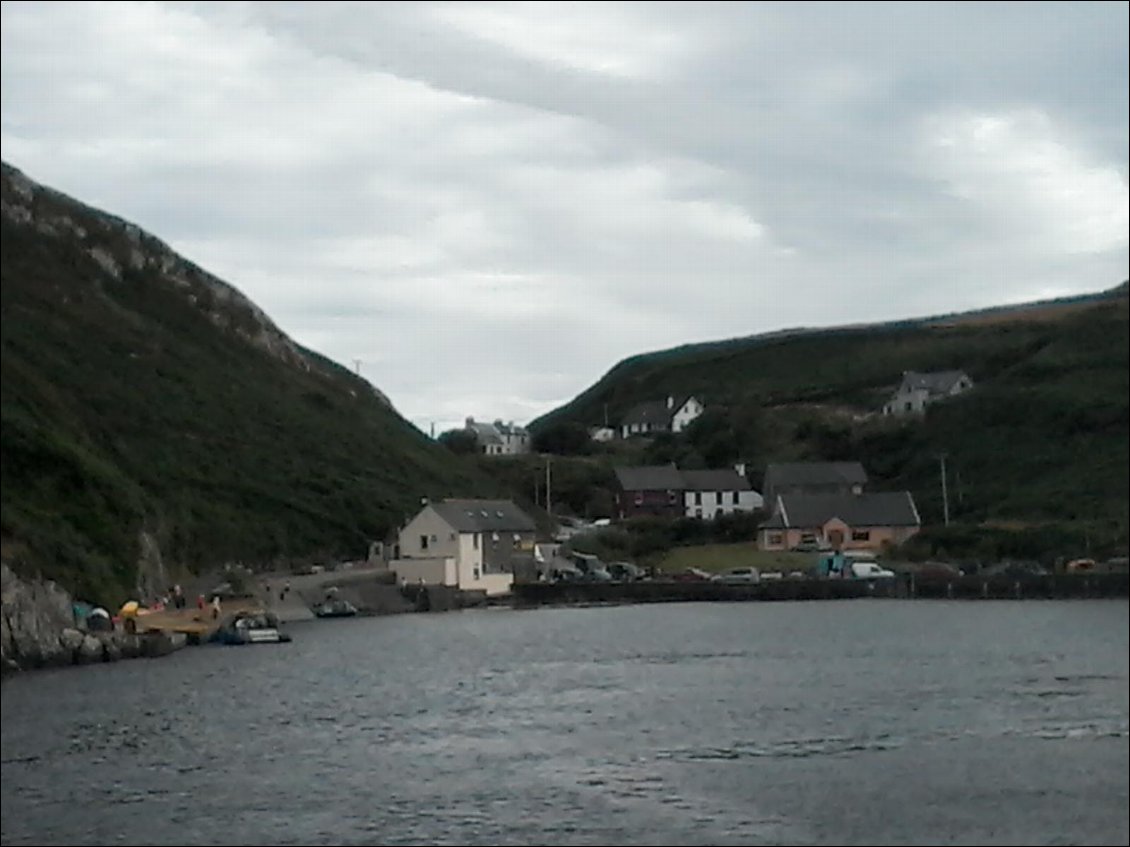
{"points": [[1043, 438], [140, 394]]}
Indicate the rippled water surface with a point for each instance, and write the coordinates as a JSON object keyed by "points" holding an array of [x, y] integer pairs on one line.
{"points": [[854, 722]]}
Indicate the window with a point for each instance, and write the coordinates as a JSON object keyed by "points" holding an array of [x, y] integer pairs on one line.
{"points": [[475, 540], [718, 512], [698, 513], [423, 542], [671, 497], [861, 535], [475, 573], [452, 537], [908, 406], [776, 538], [717, 498], [698, 498], [433, 538], [808, 538], [735, 498]]}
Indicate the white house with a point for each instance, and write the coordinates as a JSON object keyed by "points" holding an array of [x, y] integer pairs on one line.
{"points": [[708, 494], [918, 390], [498, 438], [670, 415], [468, 544], [602, 433]]}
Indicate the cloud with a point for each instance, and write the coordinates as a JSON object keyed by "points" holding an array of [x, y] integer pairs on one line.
{"points": [[490, 204]]}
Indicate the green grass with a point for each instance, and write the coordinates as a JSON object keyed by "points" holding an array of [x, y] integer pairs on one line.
{"points": [[1042, 438], [127, 407]]}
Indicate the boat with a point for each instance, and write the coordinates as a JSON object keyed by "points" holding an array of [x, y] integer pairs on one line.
{"points": [[335, 607], [252, 628]]}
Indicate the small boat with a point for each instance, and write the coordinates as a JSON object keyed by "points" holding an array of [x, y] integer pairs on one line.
{"points": [[252, 628], [335, 607]]}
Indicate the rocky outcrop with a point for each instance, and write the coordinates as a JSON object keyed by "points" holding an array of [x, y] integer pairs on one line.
{"points": [[37, 629], [34, 614]]}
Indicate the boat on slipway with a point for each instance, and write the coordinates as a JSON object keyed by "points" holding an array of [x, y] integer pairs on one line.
{"points": [[252, 628]]}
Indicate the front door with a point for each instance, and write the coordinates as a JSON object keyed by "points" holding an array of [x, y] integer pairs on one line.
{"points": [[836, 538]]}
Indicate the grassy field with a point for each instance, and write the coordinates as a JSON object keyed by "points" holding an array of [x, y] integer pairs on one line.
{"points": [[720, 557]]}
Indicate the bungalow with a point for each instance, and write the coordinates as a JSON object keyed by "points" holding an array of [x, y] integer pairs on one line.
{"points": [[813, 478], [918, 390], [469, 544], [670, 415], [708, 494], [839, 521]]}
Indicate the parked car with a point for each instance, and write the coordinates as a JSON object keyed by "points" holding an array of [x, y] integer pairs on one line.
{"points": [[625, 571], [772, 575], [692, 575], [739, 576]]}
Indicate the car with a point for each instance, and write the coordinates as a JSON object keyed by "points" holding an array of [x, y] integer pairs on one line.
{"points": [[625, 571], [739, 576], [692, 575], [772, 575]]}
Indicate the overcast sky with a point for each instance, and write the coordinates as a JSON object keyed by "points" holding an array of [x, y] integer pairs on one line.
{"points": [[489, 205]]}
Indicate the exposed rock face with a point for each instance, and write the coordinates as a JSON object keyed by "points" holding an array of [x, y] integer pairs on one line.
{"points": [[33, 618], [115, 244], [38, 629]]}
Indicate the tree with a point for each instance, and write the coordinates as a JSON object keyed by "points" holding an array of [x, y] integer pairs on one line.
{"points": [[462, 442], [566, 438]]}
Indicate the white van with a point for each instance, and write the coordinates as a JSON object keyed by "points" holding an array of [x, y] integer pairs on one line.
{"points": [[870, 570]]}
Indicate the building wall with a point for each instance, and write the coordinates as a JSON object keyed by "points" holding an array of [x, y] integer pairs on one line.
{"points": [[876, 536], [430, 571], [442, 538], [498, 555], [748, 501], [661, 503], [687, 413]]}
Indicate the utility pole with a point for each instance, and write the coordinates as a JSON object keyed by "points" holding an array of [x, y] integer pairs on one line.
{"points": [[945, 493], [548, 495], [357, 366]]}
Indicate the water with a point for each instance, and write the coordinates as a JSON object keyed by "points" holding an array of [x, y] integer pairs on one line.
{"points": [[852, 722]]}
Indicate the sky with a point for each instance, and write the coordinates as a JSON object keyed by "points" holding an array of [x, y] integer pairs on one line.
{"points": [[483, 207]]}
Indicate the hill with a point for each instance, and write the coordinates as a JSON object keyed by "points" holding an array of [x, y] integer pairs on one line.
{"points": [[1042, 438], [155, 421]]}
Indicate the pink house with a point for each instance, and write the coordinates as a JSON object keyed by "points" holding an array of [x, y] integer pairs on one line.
{"points": [[840, 521]]}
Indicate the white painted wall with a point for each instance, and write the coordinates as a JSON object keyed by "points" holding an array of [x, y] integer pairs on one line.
{"points": [[442, 538], [686, 413], [747, 502], [432, 571]]}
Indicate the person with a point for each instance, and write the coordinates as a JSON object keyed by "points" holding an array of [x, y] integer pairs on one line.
{"points": [[215, 607], [200, 602]]}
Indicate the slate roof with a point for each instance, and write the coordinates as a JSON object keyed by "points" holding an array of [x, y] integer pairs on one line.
{"points": [[814, 473], [655, 412], [726, 479], [484, 516], [887, 508], [650, 478], [936, 382], [485, 433]]}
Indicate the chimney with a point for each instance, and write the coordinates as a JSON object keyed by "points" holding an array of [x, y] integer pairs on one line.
{"points": [[470, 421], [739, 469], [670, 402]]}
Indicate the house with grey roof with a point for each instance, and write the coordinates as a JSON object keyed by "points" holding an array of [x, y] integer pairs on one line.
{"points": [[666, 491], [812, 478], [918, 390], [711, 493], [671, 415], [867, 521], [469, 544], [498, 438]]}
